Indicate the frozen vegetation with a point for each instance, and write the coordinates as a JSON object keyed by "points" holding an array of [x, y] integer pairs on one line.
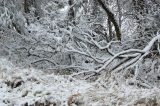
{"points": [[23, 87], [79, 52]]}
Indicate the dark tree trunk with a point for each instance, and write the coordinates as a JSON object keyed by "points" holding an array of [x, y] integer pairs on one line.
{"points": [[26, 6], [111, 18], [71, 13]]}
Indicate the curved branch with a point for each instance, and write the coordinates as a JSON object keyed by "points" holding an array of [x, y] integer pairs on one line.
{"points": [[137, 56], [111, 18]]}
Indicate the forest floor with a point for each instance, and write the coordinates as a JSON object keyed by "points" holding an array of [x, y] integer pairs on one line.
{"points": [[31, 87]]}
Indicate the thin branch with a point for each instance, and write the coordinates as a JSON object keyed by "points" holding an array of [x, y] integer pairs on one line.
{"points": [[44, 59]]}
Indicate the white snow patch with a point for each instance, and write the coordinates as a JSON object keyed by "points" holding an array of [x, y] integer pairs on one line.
{"points": [[38, 84]]}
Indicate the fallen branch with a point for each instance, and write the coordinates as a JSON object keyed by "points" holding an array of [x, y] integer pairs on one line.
{"points": [[131, 58], [137, 56]]}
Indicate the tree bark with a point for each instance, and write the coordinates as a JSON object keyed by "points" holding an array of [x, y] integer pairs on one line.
{"points": [[71, 13], [26, 6], [111, 18]]}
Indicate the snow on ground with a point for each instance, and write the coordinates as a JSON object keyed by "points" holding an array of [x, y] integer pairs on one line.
{"points": [[23, 87], [123, 96]]}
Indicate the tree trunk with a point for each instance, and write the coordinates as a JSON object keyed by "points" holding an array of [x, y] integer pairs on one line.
{"points": [[26, 6], [71, 13], [111, 18]]}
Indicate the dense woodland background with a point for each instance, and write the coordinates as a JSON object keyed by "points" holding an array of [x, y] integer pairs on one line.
{"points": [[106, 42]]}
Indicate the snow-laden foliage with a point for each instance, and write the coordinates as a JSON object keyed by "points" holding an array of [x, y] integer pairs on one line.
{"points": [[83, 39], [12, 16], [29, 86], [52, 41]]}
